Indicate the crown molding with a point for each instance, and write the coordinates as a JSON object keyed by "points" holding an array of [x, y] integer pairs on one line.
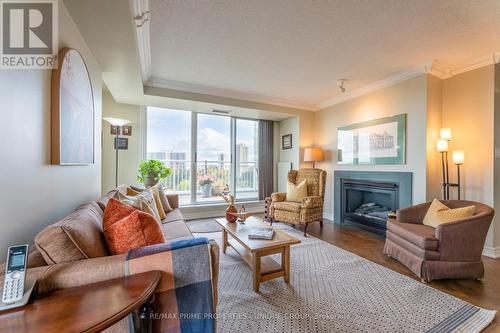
{"points": [[389, 81], [225, 93], [434, 68], [140, 12], [476, 63]]}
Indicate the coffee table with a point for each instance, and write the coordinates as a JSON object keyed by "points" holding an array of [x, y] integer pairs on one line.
{"points": [[256, 252]]}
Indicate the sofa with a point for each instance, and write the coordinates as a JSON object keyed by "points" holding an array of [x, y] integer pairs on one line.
{"points": [[450, 251], [72, 252]]}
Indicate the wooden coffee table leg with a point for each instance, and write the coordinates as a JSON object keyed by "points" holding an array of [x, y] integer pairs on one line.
{"points": [[285, 263], [224, 240], [256, 271]]}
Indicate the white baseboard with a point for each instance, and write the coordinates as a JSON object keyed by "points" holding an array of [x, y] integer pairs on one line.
{"points": [[218, 213], [328, 216], [492, 252]]}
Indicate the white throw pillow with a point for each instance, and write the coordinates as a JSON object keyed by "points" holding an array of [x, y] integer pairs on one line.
{"points": [[296, 192]]}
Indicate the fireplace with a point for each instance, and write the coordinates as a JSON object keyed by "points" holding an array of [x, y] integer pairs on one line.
{"points": [[365, 198]]}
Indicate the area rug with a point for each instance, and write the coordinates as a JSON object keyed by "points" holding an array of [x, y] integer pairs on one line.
{"points": [[203, 225], [333, 290]]}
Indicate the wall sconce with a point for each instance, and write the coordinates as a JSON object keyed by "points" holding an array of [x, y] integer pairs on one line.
{"points": [[457, 159]]}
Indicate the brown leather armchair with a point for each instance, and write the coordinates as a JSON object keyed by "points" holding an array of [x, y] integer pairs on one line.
{"points": [[311, 207], [450, 251]]}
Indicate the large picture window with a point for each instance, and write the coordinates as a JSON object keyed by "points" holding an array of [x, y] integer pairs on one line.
{"points": [[207, 153]]}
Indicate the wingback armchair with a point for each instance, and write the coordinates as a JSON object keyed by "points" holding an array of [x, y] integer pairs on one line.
{"points": [[450, 251], [305, 212]]}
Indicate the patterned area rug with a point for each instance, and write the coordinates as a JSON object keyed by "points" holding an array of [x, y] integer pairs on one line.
{"points": [[333, 290]]}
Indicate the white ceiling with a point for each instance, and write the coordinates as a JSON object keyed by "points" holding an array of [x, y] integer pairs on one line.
{"points": [[291, 52]]}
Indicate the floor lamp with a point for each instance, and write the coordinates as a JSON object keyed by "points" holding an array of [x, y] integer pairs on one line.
{"points": [[457, 158], [118, 123]]}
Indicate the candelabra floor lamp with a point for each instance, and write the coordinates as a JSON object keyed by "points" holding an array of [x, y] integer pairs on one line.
{"points": [[457, 159], [118, 123]]}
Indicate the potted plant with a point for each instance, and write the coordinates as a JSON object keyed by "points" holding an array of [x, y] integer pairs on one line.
{"points": [[152, 171], [205, 182]]}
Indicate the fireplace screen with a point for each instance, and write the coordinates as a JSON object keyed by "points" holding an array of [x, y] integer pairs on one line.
{"points": [[368, 203]]}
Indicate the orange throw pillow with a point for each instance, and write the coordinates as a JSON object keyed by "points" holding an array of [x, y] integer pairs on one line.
{"points": [[126, 228]]}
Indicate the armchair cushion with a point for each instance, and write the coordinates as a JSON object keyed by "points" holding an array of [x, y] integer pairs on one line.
{"points": [[438, 213], [312, 202], [418, 234], [288, 206], [295, 192], [278, 196]]}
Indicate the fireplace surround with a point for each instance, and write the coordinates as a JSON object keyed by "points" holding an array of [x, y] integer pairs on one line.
{"points": [[364, 198]]}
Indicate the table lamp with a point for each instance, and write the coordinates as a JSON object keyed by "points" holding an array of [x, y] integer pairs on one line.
{"points": [[313, 155]]}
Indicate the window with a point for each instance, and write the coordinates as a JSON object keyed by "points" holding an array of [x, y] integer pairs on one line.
{"points": [[207, 153], [169, 140]]}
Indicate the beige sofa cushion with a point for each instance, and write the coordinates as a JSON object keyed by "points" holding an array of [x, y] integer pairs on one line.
{"points": [[77, 236], [174, 215], [176, 230]]}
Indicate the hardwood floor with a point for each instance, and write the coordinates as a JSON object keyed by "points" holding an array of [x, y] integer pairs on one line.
{"points": [[485, 293]]}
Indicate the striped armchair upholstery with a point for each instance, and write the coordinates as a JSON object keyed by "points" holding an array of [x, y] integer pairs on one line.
{"points": [[311, 207]]}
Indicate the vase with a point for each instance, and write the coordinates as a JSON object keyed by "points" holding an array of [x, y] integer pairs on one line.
{"points": [[230, 217], [206, 191], [151, 180]]}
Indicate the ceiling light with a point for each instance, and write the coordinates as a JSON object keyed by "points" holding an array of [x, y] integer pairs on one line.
{"points": [[341, 83]]}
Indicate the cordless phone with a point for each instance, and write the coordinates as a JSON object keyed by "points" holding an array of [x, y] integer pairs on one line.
{"points": [[15, 274]]}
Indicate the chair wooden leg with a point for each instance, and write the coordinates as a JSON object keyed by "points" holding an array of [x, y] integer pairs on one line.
{"points": [[305, 229], [321, 223], [271, 221]]}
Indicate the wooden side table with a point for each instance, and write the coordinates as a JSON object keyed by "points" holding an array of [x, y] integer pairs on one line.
{"points": [[89, 308]]}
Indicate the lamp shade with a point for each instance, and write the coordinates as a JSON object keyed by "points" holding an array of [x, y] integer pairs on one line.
{"points": [[458, 157], [116, 121], [445, 134], [313, 155], [442, 145]]}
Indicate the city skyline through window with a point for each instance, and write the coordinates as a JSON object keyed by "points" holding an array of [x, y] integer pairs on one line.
{"points": [[170, 134]]}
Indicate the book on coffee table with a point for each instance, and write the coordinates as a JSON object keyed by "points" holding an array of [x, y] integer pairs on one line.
{"points": [[261, 233]]}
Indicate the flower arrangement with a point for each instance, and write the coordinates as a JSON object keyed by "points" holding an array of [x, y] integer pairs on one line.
{"points": [[206, 179]]}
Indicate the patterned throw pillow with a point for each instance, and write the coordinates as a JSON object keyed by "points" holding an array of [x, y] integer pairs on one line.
{"points": [[126, 228], [296, 192], [145, 204], [163, 197], [438, 213]]}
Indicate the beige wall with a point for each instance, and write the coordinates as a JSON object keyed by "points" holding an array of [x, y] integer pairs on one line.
{"points": [[290, 126], [496, 177], [468, 109], [434, 123], [128, 159], [36, 193], [406, 97]]}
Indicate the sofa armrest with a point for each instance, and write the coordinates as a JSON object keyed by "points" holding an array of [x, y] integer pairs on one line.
{"points": [[312, 202], [463, 240], [414, 214], [278, 196], [173, 200]]}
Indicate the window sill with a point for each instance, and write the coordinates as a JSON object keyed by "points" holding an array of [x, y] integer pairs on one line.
{"points": [[221, 204]]}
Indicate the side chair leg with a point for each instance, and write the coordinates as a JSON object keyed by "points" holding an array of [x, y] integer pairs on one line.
{"points": [[305, 229], [321, 223]]}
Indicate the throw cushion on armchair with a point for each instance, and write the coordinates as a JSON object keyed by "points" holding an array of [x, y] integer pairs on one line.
{"points": [[126, 228], [296, 192], [438, 213]]}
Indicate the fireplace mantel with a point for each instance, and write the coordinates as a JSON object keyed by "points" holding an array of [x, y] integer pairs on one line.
{"points": [[403, 179]]}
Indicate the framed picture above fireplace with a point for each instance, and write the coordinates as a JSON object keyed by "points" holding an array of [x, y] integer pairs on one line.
{"points": [[378, 141]]}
